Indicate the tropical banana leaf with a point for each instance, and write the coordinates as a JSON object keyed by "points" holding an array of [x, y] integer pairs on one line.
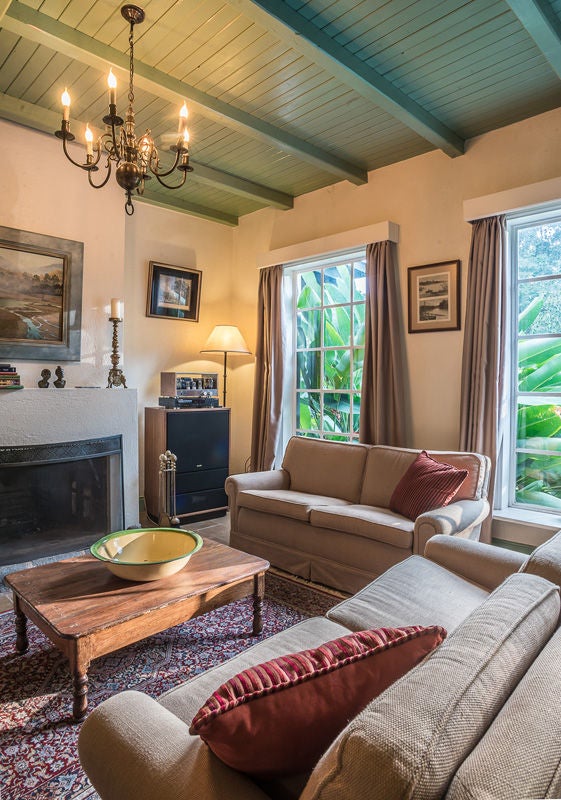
{"points": [[543, 499], [540, 443], [541, 376], [536, 351], [528, 316], [543, 420]]}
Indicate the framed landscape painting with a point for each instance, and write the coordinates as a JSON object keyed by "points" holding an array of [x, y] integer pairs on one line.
{"points": [[173, 292], [40, 296], [434, 297]]}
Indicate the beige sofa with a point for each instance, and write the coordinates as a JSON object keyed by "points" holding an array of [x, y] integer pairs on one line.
{"points": [[479, 719], [325, 515]]}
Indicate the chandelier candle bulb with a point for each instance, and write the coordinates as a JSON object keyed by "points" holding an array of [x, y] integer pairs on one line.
{"points": [[183, 114], [89, 141], [115, 308], [65, 99], [112, 83]]}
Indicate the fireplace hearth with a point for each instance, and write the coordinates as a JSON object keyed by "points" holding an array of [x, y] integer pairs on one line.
{"points": [[59, 497]]}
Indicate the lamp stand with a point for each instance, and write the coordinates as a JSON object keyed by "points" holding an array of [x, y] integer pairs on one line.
{"points": [[224, 380], [116, 377]]}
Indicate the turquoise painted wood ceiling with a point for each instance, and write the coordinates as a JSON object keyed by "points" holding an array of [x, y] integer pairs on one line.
{"points": [[285, 97]]}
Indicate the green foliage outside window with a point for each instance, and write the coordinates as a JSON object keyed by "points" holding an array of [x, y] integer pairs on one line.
{"points": [[538, 445], [330, 350]]}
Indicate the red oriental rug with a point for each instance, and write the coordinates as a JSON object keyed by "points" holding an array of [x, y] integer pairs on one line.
{"points": [[38, 753]]}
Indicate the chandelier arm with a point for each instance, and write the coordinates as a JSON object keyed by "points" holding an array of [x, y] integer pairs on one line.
{"points": [[154, 170], [87, 167], [167, 186], [104, 181]]}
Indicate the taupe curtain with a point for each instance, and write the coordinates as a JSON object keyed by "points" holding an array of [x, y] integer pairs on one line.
{"points": [[383, 410], [484, 356], [267, 395]]}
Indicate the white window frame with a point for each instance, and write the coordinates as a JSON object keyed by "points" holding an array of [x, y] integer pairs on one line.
{"points": [[506, 488], [290, 392]]}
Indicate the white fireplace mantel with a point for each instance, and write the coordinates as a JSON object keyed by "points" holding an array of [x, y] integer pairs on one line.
{"points": [[47, 416]]}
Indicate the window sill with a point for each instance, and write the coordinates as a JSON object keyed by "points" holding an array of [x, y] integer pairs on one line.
{"points": [[522, 526]]}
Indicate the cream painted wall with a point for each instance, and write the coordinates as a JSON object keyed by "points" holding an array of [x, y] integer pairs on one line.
{"points": [[170, 345], [43, 193], [424, 195]]}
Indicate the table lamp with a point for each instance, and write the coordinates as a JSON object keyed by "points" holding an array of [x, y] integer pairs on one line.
{"points": [[225, 339]]}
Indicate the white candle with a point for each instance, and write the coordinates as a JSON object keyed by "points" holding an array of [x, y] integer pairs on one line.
{"points": [[89, 141], [112, 83], [115, 308], [65, 105]]}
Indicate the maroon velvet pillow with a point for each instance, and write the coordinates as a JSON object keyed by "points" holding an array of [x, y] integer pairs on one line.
{"points": [[279, 717], [427, 484]]}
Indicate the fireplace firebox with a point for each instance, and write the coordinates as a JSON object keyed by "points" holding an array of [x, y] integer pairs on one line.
{"points": [[59, 498]]}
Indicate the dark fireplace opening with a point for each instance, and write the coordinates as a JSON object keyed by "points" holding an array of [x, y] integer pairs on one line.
{"points": [[59, 498]]}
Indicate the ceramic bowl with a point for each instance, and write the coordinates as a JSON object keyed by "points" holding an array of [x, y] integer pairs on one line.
{"points": [[146, 554]]}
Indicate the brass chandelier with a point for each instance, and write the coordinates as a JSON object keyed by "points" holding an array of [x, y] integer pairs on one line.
{"points": [[133, 158]]}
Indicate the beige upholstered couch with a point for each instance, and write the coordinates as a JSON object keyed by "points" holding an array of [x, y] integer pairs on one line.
{"points": [[325, 515], [479, 719]]}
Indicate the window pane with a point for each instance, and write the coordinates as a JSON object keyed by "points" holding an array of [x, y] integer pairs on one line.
{"points": [[308, 366], [337, 285], [309, 289], [538, 481], [308, 329], [539, 250], [337, 369], [336, 412], [537, 422], [358, 363], [336, 438], [539, 307], [356, 412], [539, 365], [359, 280], [337, 326], [358, 323], [308, 413]]}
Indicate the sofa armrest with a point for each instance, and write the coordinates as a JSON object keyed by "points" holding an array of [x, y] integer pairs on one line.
{"points": [[132, 748], [461, 518], [271, 479], [477, 562]]}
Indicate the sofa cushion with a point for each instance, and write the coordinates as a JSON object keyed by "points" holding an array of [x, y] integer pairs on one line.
{"points": [[277, 718], [415, 590], [325, 468], [520, 755], [546, 560], [284, 502], [379, 524], [427, 484], [410, 741], [385, 466]]}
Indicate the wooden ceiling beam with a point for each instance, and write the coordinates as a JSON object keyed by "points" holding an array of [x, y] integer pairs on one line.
{"points": [[544, 27], [185, 207], [46, 121], [306, 38], [42, 29]]}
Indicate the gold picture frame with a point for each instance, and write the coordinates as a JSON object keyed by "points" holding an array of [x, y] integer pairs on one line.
{"points": [[434, 297]]}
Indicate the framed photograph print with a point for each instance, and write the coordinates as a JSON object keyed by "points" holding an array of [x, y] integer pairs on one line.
{"points": [[434, 297], [40, 296], [173, 292]]}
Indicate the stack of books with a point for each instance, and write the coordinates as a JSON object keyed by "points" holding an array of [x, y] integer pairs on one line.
{"points": [[9, 378]]}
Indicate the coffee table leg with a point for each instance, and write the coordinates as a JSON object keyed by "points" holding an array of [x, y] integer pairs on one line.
{"points": [[79, 669], [21, 628], [258, 594]]}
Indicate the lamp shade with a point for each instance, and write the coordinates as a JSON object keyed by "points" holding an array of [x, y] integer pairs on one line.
{"points": [[225, 339]]}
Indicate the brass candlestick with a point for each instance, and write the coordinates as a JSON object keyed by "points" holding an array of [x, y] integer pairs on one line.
{"points": [[116, 377]]}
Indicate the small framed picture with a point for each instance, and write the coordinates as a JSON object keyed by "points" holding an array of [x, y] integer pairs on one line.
{"points": [[173, 292], [434, 297]]}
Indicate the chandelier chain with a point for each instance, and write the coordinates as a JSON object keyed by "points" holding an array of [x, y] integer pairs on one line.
{"points": [[131, 64]]}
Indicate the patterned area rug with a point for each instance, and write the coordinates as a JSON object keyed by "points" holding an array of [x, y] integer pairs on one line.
{"points": [[38, 753]]}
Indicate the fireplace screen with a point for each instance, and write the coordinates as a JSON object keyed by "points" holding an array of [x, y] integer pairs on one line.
{"points": [[58, 498]]}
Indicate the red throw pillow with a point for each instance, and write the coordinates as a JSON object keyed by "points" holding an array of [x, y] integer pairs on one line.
{"points": [[279, 717], [427, 484]]}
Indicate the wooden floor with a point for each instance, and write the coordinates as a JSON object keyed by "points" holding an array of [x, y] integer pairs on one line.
{"points": [[217, 529]]}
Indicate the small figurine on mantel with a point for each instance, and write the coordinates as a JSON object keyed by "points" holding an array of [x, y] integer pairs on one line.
{"points": [[44, 382], [60, 383]]}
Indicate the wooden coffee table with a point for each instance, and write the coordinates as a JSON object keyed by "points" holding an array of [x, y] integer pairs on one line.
{"points": [[87, 612]]}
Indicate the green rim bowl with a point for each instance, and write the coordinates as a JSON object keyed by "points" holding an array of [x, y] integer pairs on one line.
{"points": [[146, 554]]}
